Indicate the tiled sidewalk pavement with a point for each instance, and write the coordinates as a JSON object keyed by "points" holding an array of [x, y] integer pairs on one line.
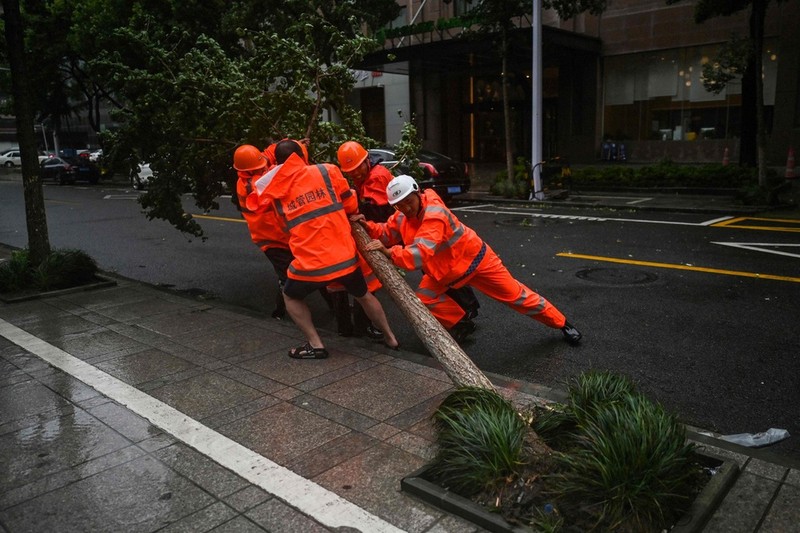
{"points": [[73, 459], [354, 424]]}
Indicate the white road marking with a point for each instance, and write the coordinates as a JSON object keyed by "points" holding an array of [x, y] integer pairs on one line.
{"points": [[311, 499], [120, 197], [473, 206], [510, 211], [765, 247], [715, 221]]}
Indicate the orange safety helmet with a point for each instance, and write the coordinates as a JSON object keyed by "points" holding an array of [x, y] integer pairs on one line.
{"points": [[248, 157], [351, 155]]}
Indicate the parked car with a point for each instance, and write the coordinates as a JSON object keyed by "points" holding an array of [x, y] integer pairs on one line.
{"points": [[142, 176], [13, 158], [444, 175], [85, 169], [10, 158], [57, 168]]}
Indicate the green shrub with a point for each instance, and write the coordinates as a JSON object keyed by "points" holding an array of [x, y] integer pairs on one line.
{"points": [[61, 269], [621, 453], [480, 437], [16, 275], [519, 187], [666, 174]]}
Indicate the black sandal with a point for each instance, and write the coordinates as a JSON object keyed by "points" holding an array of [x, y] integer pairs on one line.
{"points": [[308, 352]]}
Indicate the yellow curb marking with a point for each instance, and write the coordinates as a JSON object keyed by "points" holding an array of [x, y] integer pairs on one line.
{"points": [[680, 267], [224, 219], [734, 223]]}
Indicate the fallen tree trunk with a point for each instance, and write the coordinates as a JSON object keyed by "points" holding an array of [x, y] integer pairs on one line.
{"points": [[440, 344]]}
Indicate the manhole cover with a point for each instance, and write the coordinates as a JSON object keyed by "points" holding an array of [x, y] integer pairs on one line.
{"points": [[617, 276]]}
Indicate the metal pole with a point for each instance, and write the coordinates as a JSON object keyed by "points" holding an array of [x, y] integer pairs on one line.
{"points": [[536, 100], [44, 136]]}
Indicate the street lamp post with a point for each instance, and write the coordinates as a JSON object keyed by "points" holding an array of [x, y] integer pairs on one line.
{"points": [[44, 136], [536, 101]]}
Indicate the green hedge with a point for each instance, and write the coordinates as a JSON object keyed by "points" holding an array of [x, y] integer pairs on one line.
{"points": [[666, 174]]}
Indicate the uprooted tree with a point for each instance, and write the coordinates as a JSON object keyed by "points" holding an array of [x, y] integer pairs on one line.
{"points": [[440, 344]]}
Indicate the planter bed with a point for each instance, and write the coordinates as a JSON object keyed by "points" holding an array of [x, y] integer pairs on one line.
{"points": [[98, 283], [700, 510]]}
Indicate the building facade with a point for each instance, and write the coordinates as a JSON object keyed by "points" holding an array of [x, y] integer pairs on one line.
{"points": [[632, 75]]}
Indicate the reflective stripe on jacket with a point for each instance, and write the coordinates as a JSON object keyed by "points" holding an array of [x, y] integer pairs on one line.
{"points": [[314, 203], [440, 244], [266, 229]]}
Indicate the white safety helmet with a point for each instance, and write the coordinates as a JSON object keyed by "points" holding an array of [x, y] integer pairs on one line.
{"points": [[400, 187]]}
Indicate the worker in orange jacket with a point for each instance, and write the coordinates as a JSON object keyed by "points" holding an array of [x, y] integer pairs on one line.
{"points": [[450, 254], [313, 202], [371, 182], [266, 229]]}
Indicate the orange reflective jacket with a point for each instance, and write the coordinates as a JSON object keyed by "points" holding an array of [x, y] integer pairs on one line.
{"points": [[314, 202], [373, 188], [269, 154], [439, 244], [266, 229]]}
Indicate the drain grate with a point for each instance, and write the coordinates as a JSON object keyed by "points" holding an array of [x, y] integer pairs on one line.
{"points": [[617, 276]]}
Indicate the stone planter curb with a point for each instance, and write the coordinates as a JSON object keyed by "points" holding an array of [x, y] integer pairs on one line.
{"points": [[99, 284], [692, 521]]}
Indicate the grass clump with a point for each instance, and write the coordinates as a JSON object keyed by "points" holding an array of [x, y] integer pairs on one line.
{"points": [[60, 270], [608, 459], [480, 437], [623, 456]]}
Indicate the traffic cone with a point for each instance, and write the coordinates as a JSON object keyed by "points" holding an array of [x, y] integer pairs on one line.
{"points": [[790, 175], [725, 157]]}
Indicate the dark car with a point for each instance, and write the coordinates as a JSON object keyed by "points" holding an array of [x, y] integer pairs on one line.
{"points": [[59, 169], [85, 169], [69, 170], [444, 175]]}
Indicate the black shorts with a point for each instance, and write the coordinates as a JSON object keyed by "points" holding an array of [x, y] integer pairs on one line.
{"points": [[280, 259], [354, 283]]}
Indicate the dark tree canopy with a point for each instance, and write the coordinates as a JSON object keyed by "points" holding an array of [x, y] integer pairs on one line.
{"points": [[188, 81]]}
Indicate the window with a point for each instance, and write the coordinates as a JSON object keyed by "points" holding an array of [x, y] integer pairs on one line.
{"points": [[660, 96], [461, 7]]}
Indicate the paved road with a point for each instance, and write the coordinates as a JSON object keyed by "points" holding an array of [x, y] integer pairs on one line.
{"points": [[670, 299]]}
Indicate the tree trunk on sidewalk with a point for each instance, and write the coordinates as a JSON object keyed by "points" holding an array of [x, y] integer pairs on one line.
{"points": [[440, 344], [38, 239]]}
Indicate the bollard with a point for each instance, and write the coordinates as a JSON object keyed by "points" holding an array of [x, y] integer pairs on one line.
{"points": [[725, 157], [790, 175]]}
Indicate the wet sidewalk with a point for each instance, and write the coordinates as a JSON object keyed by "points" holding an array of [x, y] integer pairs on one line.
{"points": [[129, 408]]}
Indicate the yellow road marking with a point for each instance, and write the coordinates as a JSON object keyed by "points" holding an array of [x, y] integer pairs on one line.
{"points": [[680, 267], [735, 224], [224, 219]]}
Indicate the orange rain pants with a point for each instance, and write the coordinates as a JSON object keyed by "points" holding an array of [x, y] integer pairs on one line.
{"points": [[494, 280]]}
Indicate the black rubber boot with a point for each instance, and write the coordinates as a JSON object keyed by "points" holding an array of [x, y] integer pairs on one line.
{"points": [[463, 328], [571, 334], [327, 297], [280, 305], [362, 327], [341, 310], [466, 299]]}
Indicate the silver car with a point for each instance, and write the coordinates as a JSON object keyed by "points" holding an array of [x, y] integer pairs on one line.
{"points": [[444, 175]]}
